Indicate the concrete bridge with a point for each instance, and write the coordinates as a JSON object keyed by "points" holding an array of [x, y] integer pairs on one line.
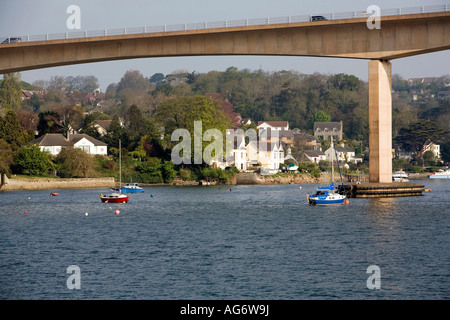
{"points": [[400, 35]]}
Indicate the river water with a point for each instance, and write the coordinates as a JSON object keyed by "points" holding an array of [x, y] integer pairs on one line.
{"points": [[208, 242]]}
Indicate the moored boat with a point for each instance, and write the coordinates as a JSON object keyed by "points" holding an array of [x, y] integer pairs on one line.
{"points": [[441, 174], [115, 198], [326, 195], [400, 176], [130, 188], [329, 195]]}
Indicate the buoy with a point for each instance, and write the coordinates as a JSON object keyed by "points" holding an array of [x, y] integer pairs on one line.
{"points": [[117, 211], [346, 202], [25, 212]]}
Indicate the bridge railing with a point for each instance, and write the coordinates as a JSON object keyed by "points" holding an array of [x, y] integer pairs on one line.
{"points": [[221, 24]]}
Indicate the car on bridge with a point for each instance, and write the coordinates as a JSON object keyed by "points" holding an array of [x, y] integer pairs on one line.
{"points": [[12, 40], [318, 18]]}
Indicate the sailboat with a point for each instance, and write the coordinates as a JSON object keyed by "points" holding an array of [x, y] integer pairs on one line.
{"points": [[328, 195], [117, 197]]}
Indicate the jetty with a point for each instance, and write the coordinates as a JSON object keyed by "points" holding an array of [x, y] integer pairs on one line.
{"points": [[380, 190]]}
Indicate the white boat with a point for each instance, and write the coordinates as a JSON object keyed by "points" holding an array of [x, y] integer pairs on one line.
{"points": [[400, 176], [441, 174]]}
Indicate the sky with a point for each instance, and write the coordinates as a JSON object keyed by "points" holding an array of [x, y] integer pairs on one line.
{"points": [[34, 17]]}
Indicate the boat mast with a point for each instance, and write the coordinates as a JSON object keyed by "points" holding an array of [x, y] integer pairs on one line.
{"points": [[120, 166], [332, 166]]}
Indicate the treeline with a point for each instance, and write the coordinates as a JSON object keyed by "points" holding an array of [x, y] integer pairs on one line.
{"points": [[285, 95], [144, 110]]}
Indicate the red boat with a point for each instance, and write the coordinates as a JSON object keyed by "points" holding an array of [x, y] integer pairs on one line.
{"points": [[53, 194], [115, 197]]}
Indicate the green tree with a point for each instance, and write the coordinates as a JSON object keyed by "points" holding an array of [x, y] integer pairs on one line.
{"points": [[168, 171], [31, 160], [429, 158], [445, 151], [12, 132], [157, 78], [319, 116], [6, 156], [89, 126], [344, 82], [150, 171], [74, 162], [133, 79], [115, 133], [181, 113], [135, 122], [49, 122], [416, 135], [11, 92]]}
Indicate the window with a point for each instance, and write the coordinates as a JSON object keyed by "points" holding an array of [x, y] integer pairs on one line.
{"points": [[85, 148]]}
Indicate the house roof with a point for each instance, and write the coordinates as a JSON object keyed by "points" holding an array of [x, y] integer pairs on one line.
{"points": [[305, 136], [58, 139], [105, 124], [263, 146], [286, 133], [327, 125], [52, 139], [314, 153], [343, 149], [74, 138], [274, 123]]}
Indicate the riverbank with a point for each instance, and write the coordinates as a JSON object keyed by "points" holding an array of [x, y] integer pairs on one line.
{"points": [[249, 178], [54, 183], [243, 178]]}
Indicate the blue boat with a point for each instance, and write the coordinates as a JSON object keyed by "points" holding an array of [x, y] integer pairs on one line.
{"points": [[326, 195], [130, 188]]}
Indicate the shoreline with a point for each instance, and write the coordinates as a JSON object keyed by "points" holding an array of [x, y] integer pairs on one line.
{"points": [[242, 178]]}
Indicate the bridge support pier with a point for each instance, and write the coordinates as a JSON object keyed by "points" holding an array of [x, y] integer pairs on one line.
{"points": [[380, 121]]}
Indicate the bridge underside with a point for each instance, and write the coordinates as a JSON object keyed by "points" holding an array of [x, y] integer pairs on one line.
{"points": [[399, 36]]}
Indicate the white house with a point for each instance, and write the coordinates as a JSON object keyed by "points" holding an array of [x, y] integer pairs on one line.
{"points": [[53, 143], [273, 125], [344, 154], [315, 155], [239, 153], [435, 148], [271, 155]]}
